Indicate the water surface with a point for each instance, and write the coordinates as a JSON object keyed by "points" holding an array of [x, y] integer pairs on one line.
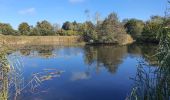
{"points": [[77, 72]]}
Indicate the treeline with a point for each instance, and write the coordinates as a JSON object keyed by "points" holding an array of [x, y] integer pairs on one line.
{"points": [[146, 31], [43, 28], [108, 30], [105, 31]]}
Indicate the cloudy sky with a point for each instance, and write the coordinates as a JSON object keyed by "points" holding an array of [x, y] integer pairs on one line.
{"points": [[58, 11]]}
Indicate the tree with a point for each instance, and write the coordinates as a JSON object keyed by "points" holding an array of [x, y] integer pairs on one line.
{"points": [[6, 29], [109, 30], [151, 29], [134, 27], [45, 28], [24, 28], [34, 32], [67, 26], [89, 31], [157, 19], [75, 26]]}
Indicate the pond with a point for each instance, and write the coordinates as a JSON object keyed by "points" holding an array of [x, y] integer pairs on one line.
{"points": [[74, 72]]}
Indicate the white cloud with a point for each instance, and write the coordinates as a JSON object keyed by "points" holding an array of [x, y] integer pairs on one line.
{"points": [[76, 1], [28, 11]]}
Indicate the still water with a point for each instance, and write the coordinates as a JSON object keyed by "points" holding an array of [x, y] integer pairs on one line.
{"points": [[75, 72]]}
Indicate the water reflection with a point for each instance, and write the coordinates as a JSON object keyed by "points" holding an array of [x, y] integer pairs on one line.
{"points": [[108, 57], [105, 56], [43, 51], [17, 81], [12, 81], [147, 51]]}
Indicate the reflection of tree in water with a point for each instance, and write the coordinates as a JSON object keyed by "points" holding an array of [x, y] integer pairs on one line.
{"points": [[135, 49], [148, 52], [48, 51], [25, 52], [107, 56], [145, 50], [12, 82], [43, 51]]}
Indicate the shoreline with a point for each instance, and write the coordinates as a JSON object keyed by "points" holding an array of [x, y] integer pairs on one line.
{"points": [[13, 41]]}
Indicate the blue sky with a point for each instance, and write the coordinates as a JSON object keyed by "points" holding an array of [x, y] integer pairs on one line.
{"points": [[59, 11]]}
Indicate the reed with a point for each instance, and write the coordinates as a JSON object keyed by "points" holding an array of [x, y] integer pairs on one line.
{"points": [[44, 40], [153, 83]]}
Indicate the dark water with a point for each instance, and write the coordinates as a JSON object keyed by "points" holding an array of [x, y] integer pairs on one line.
{"points": [[78, 72]]}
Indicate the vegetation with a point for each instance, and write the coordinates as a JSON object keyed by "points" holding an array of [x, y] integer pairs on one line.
{"points": [[11, 75], [6, 29], [109, 30], [151, 29], [154, 83], [24, 29], [145, 31], [134, 27], [45, 28]]}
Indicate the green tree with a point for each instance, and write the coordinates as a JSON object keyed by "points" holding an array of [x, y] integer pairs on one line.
{"points": [[67, 26], [45, 28], [89, 31], [109, 30], [157, 19], [134, 27], [24, 28], [151, 29], [75, 26], [6, 29], [34, 32]]}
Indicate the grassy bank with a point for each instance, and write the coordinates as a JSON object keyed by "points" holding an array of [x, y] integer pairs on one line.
{"points": [[40, 40]]}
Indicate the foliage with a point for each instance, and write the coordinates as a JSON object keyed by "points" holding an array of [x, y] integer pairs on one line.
{"points": [[150, 31], [71, 28], [67, 26], [34, 32], [45, 28], [6, 29], [154, 83], [24, 28], [68, 32], [109, 29], [134, 27], [89, 31]]}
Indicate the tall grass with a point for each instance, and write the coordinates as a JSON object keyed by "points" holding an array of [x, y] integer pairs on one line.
{"points": [[12, 81], [153, 83]]}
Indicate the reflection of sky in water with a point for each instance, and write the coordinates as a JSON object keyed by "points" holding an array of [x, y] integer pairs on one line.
{"points": [[89, 73], [79, 76]]}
